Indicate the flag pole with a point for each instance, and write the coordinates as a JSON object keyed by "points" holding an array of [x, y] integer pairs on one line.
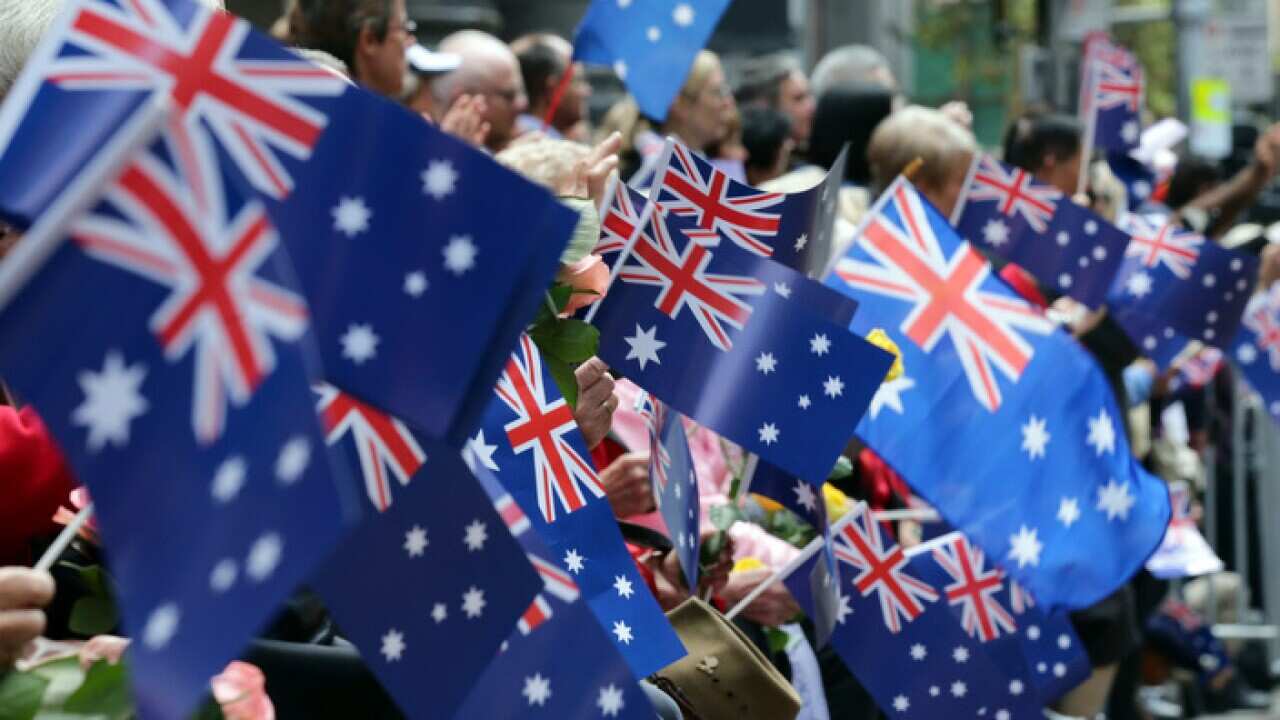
{"points": [[1090, 129], [60, 543], [809, 551]]}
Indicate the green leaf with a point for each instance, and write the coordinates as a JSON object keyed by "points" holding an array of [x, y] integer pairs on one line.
{"points": [[209, 710], [568, 339], [724, 516], [105, 692], [777, 639], [562, 373], [842, 470], [711, 549], [93, 615], [560, 294], [21, 694]]}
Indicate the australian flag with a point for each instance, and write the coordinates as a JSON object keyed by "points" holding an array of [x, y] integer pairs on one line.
{"points": [[1256, 348], [896, 634], [1113, 90], [650, 45], [337, 168], [558, 661], [438, 569], [675, 481], [695, 325], [980, 359], [1184, 552], [1065, 246], [163, 341], [1174, 278], [1037, 652], [795, 229], [531, 443]]}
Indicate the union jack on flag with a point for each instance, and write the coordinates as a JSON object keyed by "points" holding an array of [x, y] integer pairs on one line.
{"points": [[1263, 320], [655, 419], [564, 477], [555, 582], [251, 104], [945, 293], [1118, 86], [691, 187], [619, 218], [1256, 347], [385, 447], [681, 274], [975, 589], [1015, 192], [1167, 244], [1111, 94], [218, 306], [902, 597]]}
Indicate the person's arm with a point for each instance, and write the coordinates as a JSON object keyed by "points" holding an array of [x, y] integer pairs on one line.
{"points": [[1225, 202]]}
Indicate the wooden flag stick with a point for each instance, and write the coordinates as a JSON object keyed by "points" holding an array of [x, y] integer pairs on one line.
{"points": [[64, 538], [913, 167]]}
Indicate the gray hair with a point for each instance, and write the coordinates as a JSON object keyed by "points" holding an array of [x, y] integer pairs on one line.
{"points": [[22, 24], [760, 79], [846, 66]]}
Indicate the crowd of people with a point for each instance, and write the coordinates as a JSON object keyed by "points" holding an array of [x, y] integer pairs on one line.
{"points": [[770, 124]]}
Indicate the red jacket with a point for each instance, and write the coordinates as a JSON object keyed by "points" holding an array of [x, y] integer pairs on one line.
{"points": [[34, 483]]}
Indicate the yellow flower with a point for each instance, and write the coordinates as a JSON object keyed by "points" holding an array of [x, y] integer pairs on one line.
{"points": [[881, 339], [747, 563], [769, 504], [837, 502]]}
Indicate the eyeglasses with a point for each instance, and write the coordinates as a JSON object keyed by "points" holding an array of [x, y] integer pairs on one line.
{"points": [[407, 25]]}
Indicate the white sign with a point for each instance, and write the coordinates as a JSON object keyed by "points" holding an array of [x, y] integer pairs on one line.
{"points": [[1237, 49], [1081, 17]]}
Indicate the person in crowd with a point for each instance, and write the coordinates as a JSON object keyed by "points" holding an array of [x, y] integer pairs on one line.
{"points": [[767, 138], [728, 153], [944, 148], [777, 82], [424, 67], [698, 117], [1048, 145], [370, 37], [489, 69], [1211, 205], [544, 59], [851, 65]]}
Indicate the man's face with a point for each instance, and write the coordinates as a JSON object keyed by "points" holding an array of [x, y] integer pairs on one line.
{"points": [[573, 107], [382, 63], [796, 101], [505, 100]]}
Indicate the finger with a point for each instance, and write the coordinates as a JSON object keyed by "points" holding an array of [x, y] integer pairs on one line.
{"points": [[589, 371], [596, 393], [609, 146], [24, 588], [18, 627]]}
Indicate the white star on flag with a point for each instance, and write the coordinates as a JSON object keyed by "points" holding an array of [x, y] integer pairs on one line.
{"points": [[918, 652], [782, 289], [473, 602], [439, 612], [766, 363], [623, 586], [439, 178], [1129, 132], [622, 632], [844, 610], [1016, 687], [537, 690], [1247, 354], [889, 395], [476, 536], [161, 626], [804, 402], [480, 451], [111, 401], [1068, 511], [459, 254], [768, 433], [1138, 284], [805, 497], [995, 232], [229, 478], [654, 34], [645, 346], [393, 646], [415, 541], [819, 344], [1026, 547], [293, 460], [620, 69], [1102, 433], [264, 556], [1114, 499], [801, 242], [351, 216], [960, 655], [833, 387], [610, 700], [901, 703], [683, 15], [223, 575], [359, 344], [573, 561], [415, 283], [959, 689], [1035, 437]]}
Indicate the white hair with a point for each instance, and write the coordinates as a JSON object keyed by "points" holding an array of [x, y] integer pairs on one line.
{"points": [[847, 65], [22, 24]]}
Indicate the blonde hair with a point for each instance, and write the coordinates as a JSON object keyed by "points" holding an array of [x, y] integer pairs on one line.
{"points": [[549, 162], [924, 133], [625, 118]]}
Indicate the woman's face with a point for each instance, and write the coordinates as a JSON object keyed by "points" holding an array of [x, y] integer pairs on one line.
{"points": [[708, 112]]}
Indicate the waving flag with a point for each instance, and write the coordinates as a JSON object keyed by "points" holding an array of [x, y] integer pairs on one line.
{"points": [[1065, 246], [811, 377], [438, 569], [1113, 90], [649, 45], [215, 499], [675, 481], [1177, 279], [384, 447], [344, 176], [531, 445], [1198, 370], [897, 636], [1092, 515], [1256, 348], [1184, 552], [1037, 653], [559, 662]]}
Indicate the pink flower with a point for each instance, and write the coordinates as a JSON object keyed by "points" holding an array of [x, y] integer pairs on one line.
{"points": [[102, 647], [78, 499], [241, 691], [589, 277]]}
